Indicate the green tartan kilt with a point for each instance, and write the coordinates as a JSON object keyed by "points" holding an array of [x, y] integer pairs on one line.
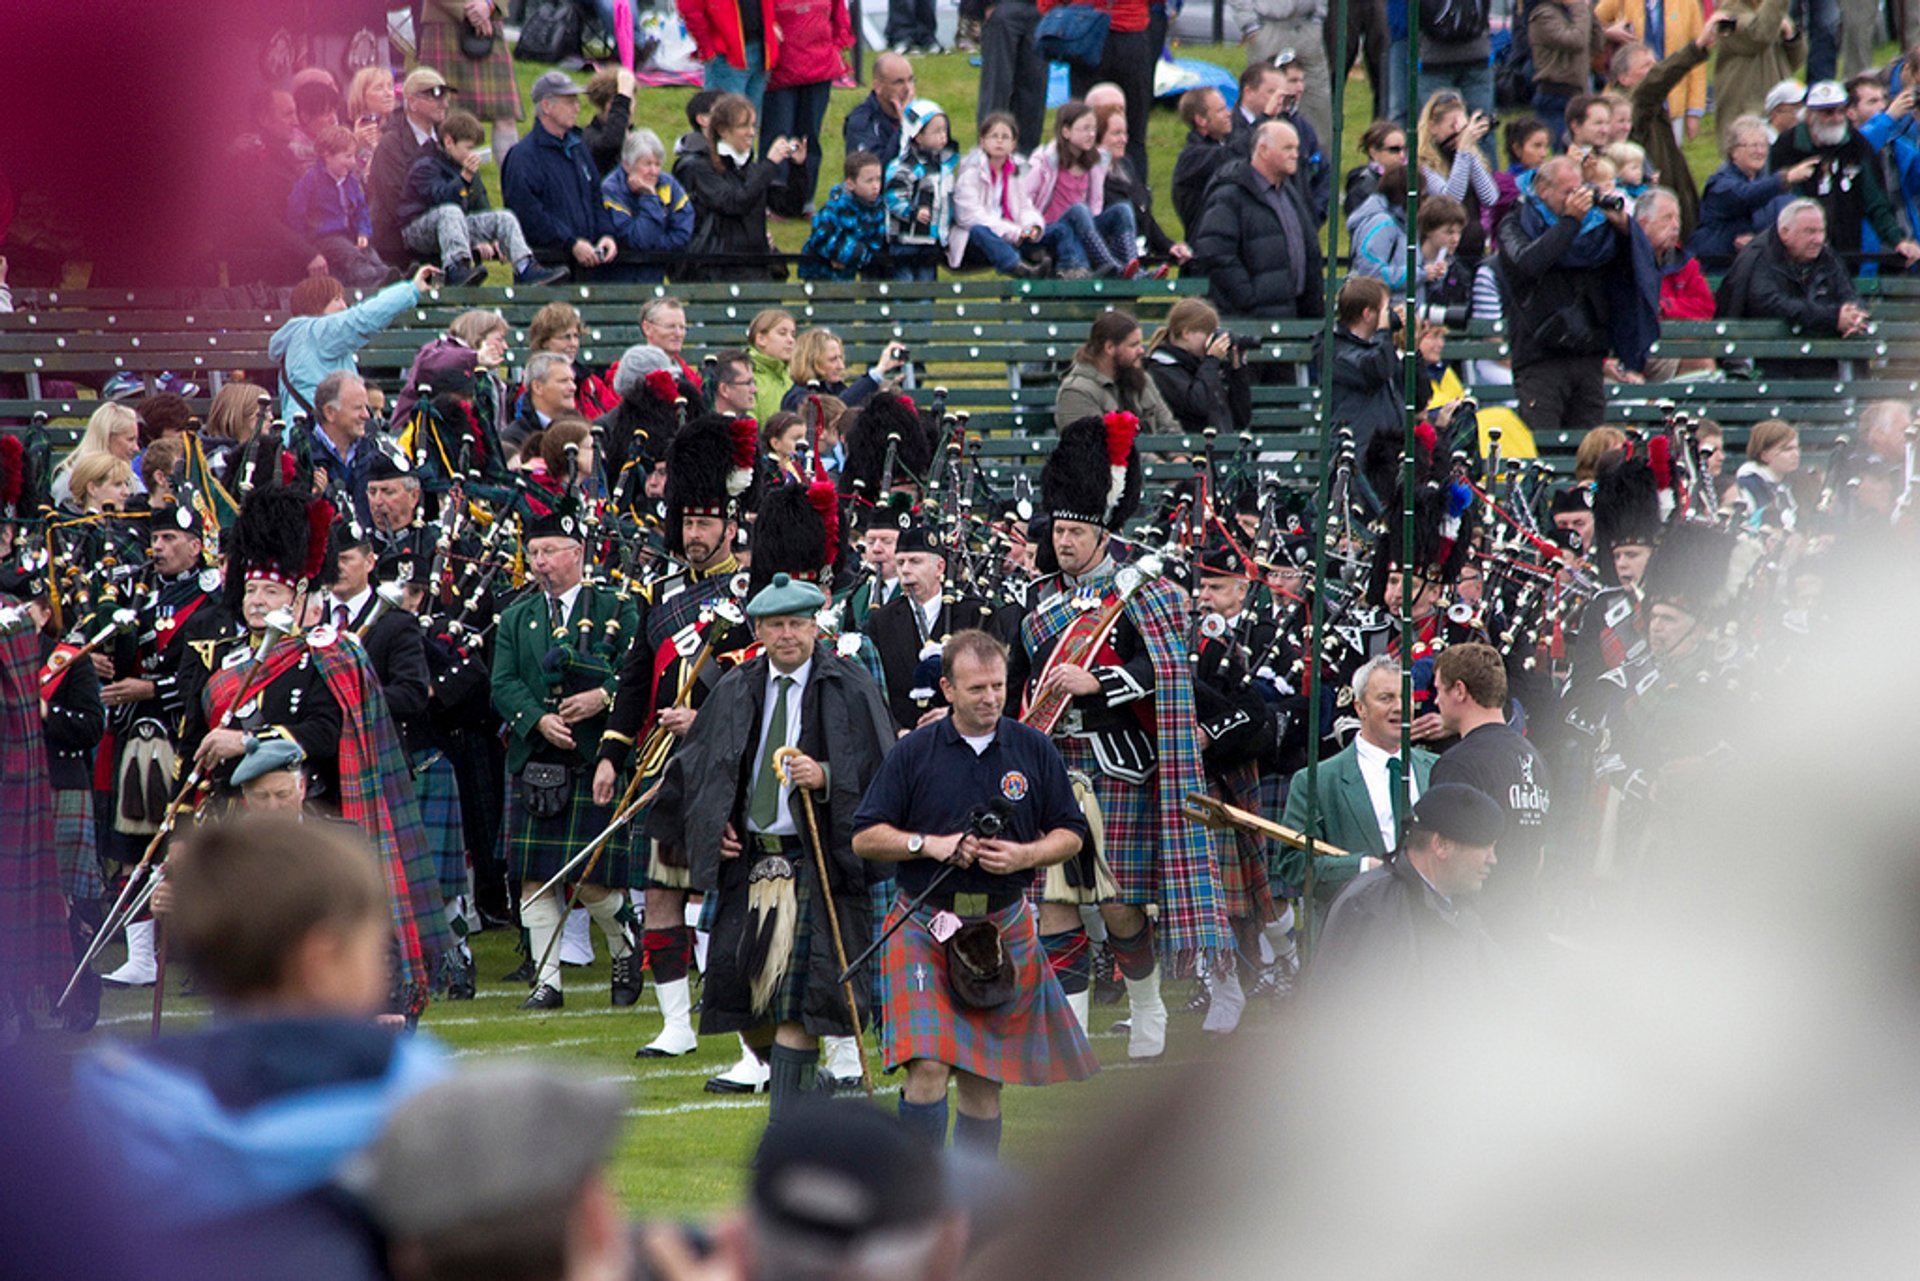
{"points": [[487, 88], [539, 847]]}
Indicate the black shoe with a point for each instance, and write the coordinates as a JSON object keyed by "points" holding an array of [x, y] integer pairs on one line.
{"points": [[726, 1085], [463, 273], [545, 997], [836, 1085], [522, 973], [537, 275], [461, 979], [627, 981]]}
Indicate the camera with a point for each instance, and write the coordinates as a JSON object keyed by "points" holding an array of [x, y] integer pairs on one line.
{"points": [[1610, 201], [1454, 317], [1240, 342], [985, 822]]}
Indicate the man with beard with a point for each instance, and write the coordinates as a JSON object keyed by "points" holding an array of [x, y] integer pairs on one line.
{"points": [[1847, 182], [1109, 373]]}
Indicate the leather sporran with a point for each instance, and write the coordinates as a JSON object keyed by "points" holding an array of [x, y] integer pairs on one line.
{"points": [[545, 789], [979, 972]]}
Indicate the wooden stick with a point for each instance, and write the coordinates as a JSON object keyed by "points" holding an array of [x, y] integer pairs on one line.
{"points": [[1213, 812]]}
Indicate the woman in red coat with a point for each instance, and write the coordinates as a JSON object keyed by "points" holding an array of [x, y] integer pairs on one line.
{"points": [[813, 34], [738, 40]]}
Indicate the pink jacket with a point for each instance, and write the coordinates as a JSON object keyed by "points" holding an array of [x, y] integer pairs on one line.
{"points": [[977, 193], [1043, 170], [812, 34]]}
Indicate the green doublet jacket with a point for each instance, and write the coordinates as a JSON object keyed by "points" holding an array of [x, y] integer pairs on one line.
{"points": [[526, 686]]}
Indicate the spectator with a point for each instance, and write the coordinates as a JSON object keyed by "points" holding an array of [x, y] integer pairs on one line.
{"points": [[1456, 56], [781, 434], [1127, 60], [408, 134], [1564, 36], [316, 108], [912, 28], [1451, 164], [1066, 181], [734, 390], [324, 333], [1260, 91], [919, 192], [1741, 197], [663, 323], [1684, 292], [1209, 125], [235, 416], [1528, 143], [1846, 180], [1124, 187], [1653, 86], [1291, 33], [1790, 273], [729, 186], [549, 182], [1377, 230], [1255, 243], [112, 431], [813, 36], [1384, 143], [874, 125], [1013, 72], [337, 442], [567, 458], [1667, 28], [371, 99], [1108, 373], [849, 235], [1444, 278], [550, 393], [486, 85], [1589, 126], [1369, 393], [652, 214], [738, 41], [1619, 116], [164, 413], [557, 327], [1773, 456], [1199, 371], [261, 246], [445, 212], [97, 483], [157, 465], [473, 347], [1891, 129], [1763, 49], [1786, 103], [6, 294], [1563, 277], [771, 337], [329, 207], [994, 220], [610, 90], [820, 358]]}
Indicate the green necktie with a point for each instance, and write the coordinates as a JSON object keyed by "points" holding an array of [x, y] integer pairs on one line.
{"points": [[763, 806]]}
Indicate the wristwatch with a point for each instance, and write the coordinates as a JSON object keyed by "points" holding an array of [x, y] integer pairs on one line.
{"points": [[916, 843]]}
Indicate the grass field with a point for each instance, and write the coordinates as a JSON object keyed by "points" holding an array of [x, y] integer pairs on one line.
{"points": [[684, 1151]]}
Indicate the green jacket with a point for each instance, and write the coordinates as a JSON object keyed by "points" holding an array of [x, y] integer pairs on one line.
{"points": [[526, 687], [770, 384], [1344, 818], [1752, 59]]}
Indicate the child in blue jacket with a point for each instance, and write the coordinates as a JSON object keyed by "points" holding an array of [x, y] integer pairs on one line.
{"points": [[850, 232], [329, 207], [920, 191]]}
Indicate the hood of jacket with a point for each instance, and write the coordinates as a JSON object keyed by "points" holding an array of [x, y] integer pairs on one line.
{"points": [[1372, 207], [690, 143]]}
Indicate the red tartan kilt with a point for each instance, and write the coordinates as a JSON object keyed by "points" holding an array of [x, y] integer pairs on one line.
{"points": [[1032, 1040]]}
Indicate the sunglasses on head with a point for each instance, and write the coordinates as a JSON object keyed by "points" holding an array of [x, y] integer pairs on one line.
{"points": [[1286, 58]]}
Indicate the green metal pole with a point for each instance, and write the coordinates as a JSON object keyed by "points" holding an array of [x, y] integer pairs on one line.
{"points": [[1316, 608], [1410, 366]]}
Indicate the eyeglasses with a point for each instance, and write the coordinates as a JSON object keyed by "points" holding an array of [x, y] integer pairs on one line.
{"points": [[1286, 57], [438, 91], [1396, 149]]}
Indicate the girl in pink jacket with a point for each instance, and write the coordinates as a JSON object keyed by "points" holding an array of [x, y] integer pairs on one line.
{"points": [[1066, 181]]}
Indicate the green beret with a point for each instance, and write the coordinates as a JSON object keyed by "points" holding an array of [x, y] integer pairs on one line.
{"points": [[264, 756], [786, 595]]}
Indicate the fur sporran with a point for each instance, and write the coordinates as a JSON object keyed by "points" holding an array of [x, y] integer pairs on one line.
{"points": [[773, 918], [1084, 878]]}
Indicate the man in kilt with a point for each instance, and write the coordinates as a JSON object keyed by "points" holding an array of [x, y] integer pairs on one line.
{"points": [[553, 680], [1128, 726], [729, 798], [976, 802], [682, 614], [486, 85]]}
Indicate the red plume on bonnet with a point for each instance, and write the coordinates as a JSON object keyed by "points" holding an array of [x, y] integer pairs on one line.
{"points": [[1660, 459], [661, 385], [319, 544], [1428, 438], [13, 471], [746, 447], [825, 500], [1122, 429]]}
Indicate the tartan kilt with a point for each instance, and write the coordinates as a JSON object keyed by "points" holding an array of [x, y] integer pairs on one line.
{"points": [[487, 88], [1241, 857], [1034, 1039], [437, 788], [75, 846], [725, 1003], [1132, 838], [539, 847]]}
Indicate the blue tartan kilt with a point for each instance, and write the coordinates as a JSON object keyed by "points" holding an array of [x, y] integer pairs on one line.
{"points": [[1034, 1039], [539, 847], [74, 845], [437, 789], [1132, 836]]}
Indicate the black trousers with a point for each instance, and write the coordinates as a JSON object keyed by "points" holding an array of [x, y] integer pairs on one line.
{"points": [[1128, 61], [1561, 393]]}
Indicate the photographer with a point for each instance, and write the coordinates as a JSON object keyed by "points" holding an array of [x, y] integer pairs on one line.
{"points": [[1201, 369], [1576, 281], [979, 801], [1368, 388]]}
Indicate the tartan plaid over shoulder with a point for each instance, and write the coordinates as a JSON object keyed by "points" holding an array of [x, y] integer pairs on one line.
{"points": [[33, 915]]}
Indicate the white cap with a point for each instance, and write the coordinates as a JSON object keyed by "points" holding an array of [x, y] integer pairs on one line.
{"points": [[1786, 93]]}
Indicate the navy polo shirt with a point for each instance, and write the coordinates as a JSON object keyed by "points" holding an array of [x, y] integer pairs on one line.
{"points": [[932, 780]]}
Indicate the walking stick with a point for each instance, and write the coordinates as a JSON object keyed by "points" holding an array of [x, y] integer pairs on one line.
{"points": [[782, 757], [159, 977]]}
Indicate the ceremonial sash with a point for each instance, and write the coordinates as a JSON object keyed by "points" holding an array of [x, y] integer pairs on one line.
{"points": [[227, 687]]}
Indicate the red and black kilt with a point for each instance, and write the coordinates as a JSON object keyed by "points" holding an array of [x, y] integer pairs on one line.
{"points": [[437, 789], [1241, 856], [75, 846], [487, 88], [539, 847], [1128, 810], [1032, 1040], [34, 949]]}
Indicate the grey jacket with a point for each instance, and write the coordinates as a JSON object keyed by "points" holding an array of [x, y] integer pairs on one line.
{"points": [[1086, 393]]}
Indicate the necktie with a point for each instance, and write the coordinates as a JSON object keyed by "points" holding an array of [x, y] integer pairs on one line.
{"points": [[340, 618], [558, 613], [1395, 770], [763, 806]]}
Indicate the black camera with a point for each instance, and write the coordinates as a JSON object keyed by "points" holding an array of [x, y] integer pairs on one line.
{"points": [[1610, 201], [1240, 342], [985, 822]]}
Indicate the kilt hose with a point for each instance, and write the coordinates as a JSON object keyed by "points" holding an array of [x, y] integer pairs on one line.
{"points": [[437, 788], [1132, 840], [1034, 1039], [487, 87], [75, 846], [539, 847]]}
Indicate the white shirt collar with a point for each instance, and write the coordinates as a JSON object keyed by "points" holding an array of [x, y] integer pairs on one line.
{"points": [[421, 137], [355, 605], [569, 596], [799, 674]]}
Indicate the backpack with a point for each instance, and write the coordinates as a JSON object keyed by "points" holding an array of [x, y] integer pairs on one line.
{"points": [[553, 31], [1513, 65], [1453, 21]]}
